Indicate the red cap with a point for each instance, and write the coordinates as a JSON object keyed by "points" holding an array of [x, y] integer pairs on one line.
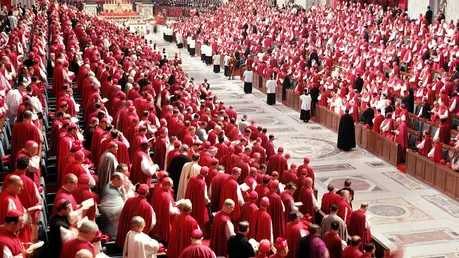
{"points": [[265, 201], [131, 109], [166, 181], [281, 243], [79, 156], [206, 144], [204, 170], [112, 144], [63, 103], [266, 177], [77, 145], [287, 156], [275, 173], [197, 233], [162, 130], [60, 202], [104, 120], [307, 160], [29, 143], [13, 213], [252, 170], [93, 119], [293, 166], [265, 246], [143, 189], [280, 149], [142, 127], [235, 170], [304, 172], [177, 144], [83, 179], [253, 195], [274, 184], [72, 126]]}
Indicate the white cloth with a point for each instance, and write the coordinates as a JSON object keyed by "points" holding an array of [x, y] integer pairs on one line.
{"points": [[248, 76], [139, 245], [189, 170], [271, 86], [13, 100], [306, 102]]}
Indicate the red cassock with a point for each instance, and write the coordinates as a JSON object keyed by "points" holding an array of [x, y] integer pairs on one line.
{"points": [[215, 189], [134, 206], [260, 225], [289, 203], [82, 195], [333, 243], [137, 176], [402, 137], [288, 176], [229, 191], [12, 242], [427, 146], [328, 199], [28, 195], [344, 211], [71, 247], [71, 168], [351, 252], [197, 250], [310, 173], [261, 190], [54, 137], [160, 152], [122, 155], [357, 227], [21, 133], [223, 150], [270, 150], [293, 233], [182, 226], [58, 79], [64, 148], [228, 161], [5, 198], [163, 225], [218, 242], [277, 214], [60, 172], [97, 137], [195, 191], [62, 193], [245, 170], [305, 197], [247, 210]]}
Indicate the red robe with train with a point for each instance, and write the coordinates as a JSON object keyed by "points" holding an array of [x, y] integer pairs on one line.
{"points": [[58, 79], [21, 133], [306, 194], [247, 210], [195, 192], [357, 228], [162, 206], [180, 238], [229, 191], [427, 146], [293, 233], [134, 206], [276, 211], [334, 244], [260, 225], [288, 202], [64, 148], [218, 242], [277, 163], [344, 206], [197, 250], [137, 176], [351, 252], [215, 189], [328, 199], [261, 190], [5, 198], [160, 152], [82, 195]]}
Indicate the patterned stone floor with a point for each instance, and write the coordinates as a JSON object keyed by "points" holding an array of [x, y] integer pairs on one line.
{"points": [[403, 211]]}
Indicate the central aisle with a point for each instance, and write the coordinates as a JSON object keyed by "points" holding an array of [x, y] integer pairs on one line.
{"points": [[402, 209]]}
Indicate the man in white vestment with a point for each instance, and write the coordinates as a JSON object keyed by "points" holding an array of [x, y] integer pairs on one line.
{"points": [[139, 244], [189, 170]]}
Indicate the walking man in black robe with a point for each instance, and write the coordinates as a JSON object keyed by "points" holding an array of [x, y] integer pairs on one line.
{"points": [[346, 133]]}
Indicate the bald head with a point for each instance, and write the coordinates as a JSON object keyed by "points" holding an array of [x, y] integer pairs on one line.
{"points": [[83, 253]]}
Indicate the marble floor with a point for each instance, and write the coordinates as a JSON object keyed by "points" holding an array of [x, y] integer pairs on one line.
{"points": [[403, 211]]}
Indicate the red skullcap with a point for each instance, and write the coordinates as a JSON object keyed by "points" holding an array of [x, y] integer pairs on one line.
{"points": [[143, 189], [307, 160], [280, 149], [281, 243], [60, 202], [266, 177], [79, 156], [253, 195], [177, 144], [274, 184], [275, 173], [204, 170], [265, 201], [235, 170], [206, 144], [29, 143], [197, 233], [304, 172], [293, 166]]}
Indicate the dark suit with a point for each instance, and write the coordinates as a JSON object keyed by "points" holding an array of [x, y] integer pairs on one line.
{"points": [[358, 84], [429, 15], [367, 116], [175, 168], [239, 247], [54, 235], [350, 191]]}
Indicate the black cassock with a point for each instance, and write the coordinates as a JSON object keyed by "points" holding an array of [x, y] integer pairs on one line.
{"points": [[346, 133]]}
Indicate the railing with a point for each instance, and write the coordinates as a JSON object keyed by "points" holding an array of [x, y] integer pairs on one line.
{"points": [[434, 174]]}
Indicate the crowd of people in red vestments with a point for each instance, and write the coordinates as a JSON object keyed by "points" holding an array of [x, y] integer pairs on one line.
{"points": [[389, 70], [143, 151]]}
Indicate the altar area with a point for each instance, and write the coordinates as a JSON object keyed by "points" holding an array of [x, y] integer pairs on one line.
{"points": [[118, 6]]}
